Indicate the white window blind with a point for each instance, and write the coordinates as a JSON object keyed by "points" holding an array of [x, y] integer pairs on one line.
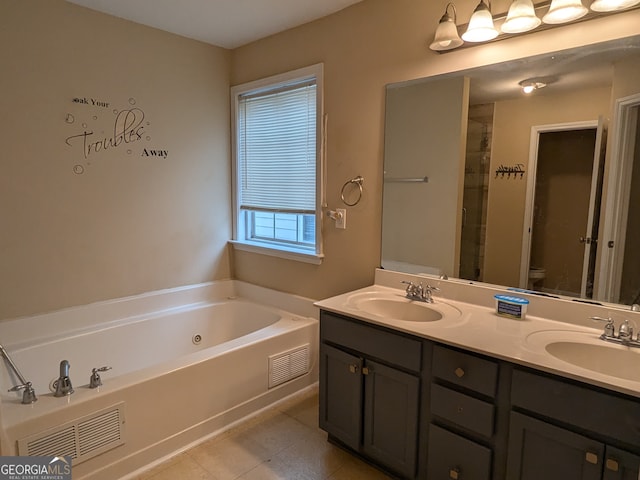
{"points": [[277, 149]]}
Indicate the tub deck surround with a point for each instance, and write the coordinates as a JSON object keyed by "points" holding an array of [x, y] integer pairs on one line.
{"points": [[479, 329], [175, 392]]}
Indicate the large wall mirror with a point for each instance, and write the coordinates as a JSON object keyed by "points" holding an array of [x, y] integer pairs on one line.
{"points": [[536, 190]]}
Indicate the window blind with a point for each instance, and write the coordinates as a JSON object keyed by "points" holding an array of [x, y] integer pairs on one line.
{"points": [[277, 149]]}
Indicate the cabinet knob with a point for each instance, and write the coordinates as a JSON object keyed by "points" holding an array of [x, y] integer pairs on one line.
{"points": [[365, 370], [612, 465], [353, 368], [459, 372], [454, 473], [592, 458]]}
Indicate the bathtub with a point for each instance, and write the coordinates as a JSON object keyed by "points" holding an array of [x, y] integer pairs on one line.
{"points": [[185, 364]]}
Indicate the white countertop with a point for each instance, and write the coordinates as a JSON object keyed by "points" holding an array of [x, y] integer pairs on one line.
{"points": [[479, 329]]}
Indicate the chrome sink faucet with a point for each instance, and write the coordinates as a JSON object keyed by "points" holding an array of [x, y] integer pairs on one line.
{"points": [[419, 292], [624, 336], [63, 384]]}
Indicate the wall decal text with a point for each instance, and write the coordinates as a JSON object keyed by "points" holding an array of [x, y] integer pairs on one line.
{"points": [[91, 101], [127, 128]]}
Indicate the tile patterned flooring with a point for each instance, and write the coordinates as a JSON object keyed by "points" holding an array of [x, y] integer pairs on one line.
{"points": [[283, 442]]}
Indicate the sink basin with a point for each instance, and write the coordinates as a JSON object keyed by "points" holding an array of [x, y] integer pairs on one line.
{"points": [[616, 361], [392, 306], [402, 310]]}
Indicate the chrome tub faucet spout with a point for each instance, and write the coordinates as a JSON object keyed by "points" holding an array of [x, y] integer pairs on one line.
{"points": [[63, 384]]}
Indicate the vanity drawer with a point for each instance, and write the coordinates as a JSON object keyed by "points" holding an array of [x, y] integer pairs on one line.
{"points": [[463, 410], [609, 414], [469, 371], [386, 346], [456, 458]]}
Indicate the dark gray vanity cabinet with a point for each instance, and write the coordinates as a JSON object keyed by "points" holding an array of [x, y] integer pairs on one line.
{"points": [[422, 410], [564, 430], [370, 392]]}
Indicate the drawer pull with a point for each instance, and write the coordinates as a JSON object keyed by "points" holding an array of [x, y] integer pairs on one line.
{"points": [[592, 458], [459, 372], [353, 368], [612, 465], [454, 473], [459, 409]]}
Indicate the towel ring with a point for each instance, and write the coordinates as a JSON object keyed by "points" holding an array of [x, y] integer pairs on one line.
{"points": [[357, 180]]}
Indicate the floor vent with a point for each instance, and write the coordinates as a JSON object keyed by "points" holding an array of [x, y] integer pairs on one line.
{"points": [[81, 439], [288, 365]]}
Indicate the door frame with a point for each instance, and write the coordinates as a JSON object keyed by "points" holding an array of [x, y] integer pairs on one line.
{"points": [[616, 205], [534, 142]]}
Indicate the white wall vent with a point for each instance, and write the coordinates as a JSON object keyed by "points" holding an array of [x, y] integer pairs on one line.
{"points": [[288, 365], [81, 439]]}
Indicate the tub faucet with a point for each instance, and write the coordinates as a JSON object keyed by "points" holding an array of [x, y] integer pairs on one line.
{"points": [[63, 384]]}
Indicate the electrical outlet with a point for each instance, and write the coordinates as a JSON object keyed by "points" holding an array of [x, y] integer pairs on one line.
{"points": [[341, 218]]}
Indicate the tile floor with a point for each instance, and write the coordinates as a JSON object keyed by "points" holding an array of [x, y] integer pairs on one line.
{"points": [[283, 442]]}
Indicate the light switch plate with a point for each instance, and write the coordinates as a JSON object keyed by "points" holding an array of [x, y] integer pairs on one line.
{"points": [[341, 218]]}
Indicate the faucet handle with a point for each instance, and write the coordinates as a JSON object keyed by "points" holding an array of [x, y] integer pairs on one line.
{"points": [[625, 331], [95, 381], [609, 328], [411, 287], [29, 394]]}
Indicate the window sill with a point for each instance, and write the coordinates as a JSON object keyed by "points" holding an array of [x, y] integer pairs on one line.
{"points": [[292, 254]]}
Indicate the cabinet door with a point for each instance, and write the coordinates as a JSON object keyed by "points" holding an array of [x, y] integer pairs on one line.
{"points": [[341, 395], [538, 450], [391, 417], [621, 465]]}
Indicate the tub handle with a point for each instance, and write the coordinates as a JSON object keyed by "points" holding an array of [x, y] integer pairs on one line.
{"points": [[95, 381]]}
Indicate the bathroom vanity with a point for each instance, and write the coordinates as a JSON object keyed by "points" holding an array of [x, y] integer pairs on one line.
{"points": [[465, 394]]}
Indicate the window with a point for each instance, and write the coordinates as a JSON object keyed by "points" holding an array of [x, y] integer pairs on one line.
{"points": [[277, 165]]}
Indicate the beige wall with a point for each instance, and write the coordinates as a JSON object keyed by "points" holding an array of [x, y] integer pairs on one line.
{"points": [[513, 120], [365, 47], [129, 223]]}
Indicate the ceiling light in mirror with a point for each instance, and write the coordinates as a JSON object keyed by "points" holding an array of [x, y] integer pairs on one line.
{"points": [[521, 17], [531, 84], [563, 11], [481, 28], [612, 5], [447, 36]]}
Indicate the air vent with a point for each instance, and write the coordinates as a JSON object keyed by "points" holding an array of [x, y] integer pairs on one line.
{"points": [[81, 439], [288, 365]]}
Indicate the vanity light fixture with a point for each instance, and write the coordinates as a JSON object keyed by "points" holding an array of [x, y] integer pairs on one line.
{"points": [[531, 84], [612, 5], [447, 36], [563, 11], [521, 17], [481, 28]]}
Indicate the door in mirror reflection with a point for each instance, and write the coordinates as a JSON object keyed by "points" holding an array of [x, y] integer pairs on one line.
{"points": [[563, 211]]}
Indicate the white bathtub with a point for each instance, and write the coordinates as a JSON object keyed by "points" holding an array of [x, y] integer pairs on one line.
{"points": [[185, 362]]}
